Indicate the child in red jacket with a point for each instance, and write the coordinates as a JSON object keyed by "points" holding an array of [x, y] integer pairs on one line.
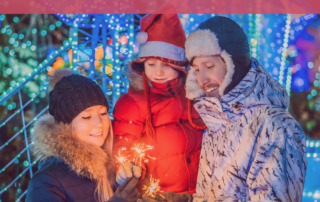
{"points": [[156, 111]]}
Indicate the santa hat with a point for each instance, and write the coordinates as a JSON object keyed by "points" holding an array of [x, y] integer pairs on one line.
{"points": [[161, 37]]}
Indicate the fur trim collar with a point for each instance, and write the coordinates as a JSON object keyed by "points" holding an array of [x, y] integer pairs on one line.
{"points": [[230, 71], [205, 43], [135, 79], [202, 43], [193, 89], [54, 139]]}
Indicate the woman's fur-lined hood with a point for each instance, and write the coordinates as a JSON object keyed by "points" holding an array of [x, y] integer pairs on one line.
{"points": [[51, 139]]}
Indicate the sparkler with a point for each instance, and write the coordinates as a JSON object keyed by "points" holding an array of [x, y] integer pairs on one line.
{"points": [[154, 187], [121, 159], [140, 152]]}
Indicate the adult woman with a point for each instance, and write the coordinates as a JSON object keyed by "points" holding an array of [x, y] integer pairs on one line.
{"points": [[75, 145]]}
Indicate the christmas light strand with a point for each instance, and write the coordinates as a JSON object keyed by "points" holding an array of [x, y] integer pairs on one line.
{"points": [[284, 50]]}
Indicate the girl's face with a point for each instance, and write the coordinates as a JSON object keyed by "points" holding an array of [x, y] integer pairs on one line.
{"points": [[92, 125], [158, 71], [210, 71]]}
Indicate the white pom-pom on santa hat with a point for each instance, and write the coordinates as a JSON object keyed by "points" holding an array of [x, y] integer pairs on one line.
{"points": [[142, 37]]}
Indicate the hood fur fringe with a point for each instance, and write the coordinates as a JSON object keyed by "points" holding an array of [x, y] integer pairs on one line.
{"points": [[55, 139], [205, 43], [135, 80]]}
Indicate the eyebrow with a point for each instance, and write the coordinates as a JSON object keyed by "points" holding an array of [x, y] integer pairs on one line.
{"points": [[208, 63], [90, 109], [151, 60]]}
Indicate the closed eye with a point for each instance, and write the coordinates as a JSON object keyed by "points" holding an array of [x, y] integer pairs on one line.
{"points": [[210, 67], [150, 64], [104, 113], [86, 117]]}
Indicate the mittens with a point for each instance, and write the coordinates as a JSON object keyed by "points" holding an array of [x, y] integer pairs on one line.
{"points": [[127, 170], [127, 192]]}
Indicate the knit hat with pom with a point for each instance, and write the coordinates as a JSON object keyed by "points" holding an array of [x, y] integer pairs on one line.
{"points": [[71, 94]]}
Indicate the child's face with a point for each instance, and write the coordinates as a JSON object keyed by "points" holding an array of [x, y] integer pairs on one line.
{"points": [[92, 125], [158, 71]]}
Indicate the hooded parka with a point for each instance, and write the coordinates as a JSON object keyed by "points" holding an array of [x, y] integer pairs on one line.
{"points": [[174, 158], [253, 149], [69, 169]]}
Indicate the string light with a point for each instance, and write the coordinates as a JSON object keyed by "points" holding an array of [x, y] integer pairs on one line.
{"points": [[117, 25], [42, 66], [284, 50], [256, 36]]}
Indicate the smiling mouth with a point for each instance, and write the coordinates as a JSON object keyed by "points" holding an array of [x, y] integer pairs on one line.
{"points": [[211, 87], [96, 134], [209, 90]]}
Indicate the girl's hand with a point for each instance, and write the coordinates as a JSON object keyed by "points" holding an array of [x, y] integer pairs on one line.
{"points": [[127, 170]]}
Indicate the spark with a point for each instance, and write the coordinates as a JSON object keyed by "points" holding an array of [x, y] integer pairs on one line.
{"points": [[154, 187], [140, 152], [121, 158]]}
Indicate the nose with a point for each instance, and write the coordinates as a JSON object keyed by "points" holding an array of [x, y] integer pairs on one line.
{"points": [[97, 122], [203, 78], [159, 70]]}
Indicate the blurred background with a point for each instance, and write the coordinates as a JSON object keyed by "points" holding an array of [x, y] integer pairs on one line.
{"points": [[34, 46]]}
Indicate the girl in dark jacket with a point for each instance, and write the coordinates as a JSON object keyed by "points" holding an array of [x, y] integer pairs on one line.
{"points": [[74, 142]]}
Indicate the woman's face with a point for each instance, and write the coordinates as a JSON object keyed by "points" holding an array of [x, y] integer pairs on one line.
{"points": [[158, 71], [210, 71], [92, 125]]}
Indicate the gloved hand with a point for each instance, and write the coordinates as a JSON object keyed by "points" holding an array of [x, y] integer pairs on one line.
{"points": [[127, 192], [127, 170], [167, 197]]}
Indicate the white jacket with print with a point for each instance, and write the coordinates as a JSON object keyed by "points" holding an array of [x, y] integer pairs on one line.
{"points": [[253, 150]]}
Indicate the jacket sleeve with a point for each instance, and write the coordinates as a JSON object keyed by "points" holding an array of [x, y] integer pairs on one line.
{"points": [[279, 163], [44, 188], [128, 126], [277, 167]]}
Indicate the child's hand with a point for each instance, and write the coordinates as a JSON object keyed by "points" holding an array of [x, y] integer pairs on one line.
{"points": [[127, 170]]}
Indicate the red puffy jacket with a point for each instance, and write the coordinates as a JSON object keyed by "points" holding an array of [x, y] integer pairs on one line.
{"points": [[177, 144]]}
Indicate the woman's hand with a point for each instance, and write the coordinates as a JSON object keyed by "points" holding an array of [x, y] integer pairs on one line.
{"points": [[127, 192], [127, 170]]}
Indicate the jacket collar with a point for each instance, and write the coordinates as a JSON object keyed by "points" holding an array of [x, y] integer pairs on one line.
{"points": [[256, 88], [173, 87], [53, 143]]}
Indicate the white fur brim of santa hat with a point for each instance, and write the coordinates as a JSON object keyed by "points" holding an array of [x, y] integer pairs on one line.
{"points": [[205, 43], [162, 49]]}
